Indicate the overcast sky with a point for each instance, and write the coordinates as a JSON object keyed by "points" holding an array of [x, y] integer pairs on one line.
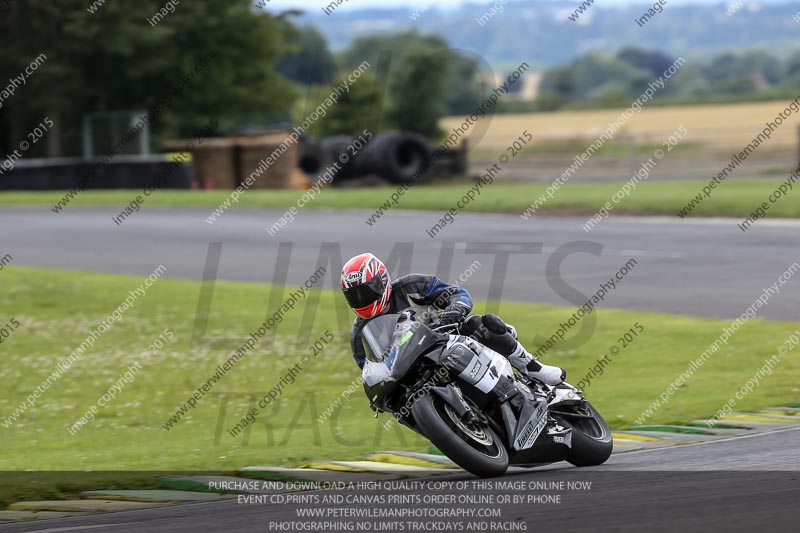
{"points": [[318, 5]]}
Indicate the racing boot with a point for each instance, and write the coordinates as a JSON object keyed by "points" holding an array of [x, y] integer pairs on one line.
{"points": [[528, 365]]}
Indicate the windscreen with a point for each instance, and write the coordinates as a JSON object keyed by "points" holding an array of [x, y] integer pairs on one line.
{"points": [[377, 337]]}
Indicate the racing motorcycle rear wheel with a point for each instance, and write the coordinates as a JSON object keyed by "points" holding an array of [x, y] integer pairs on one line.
{"points": [[472, 446], [591, 437]]}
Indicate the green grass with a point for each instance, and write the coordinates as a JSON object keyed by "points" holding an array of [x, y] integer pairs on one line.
{"points": [[56, 309], [35, 486], [732, 198]]}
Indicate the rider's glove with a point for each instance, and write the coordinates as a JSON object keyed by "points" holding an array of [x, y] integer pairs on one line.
{"points": [[454, 314]]}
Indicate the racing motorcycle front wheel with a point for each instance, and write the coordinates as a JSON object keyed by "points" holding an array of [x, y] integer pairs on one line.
{"points": [[473, 446]]}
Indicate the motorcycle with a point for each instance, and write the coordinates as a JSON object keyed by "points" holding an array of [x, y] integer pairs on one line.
{"points": [[471, 404]]}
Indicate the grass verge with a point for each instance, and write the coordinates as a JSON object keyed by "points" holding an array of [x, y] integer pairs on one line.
{"points": [[56, 310], [737, 198]]}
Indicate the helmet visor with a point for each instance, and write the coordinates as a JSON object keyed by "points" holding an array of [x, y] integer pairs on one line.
{"points": [[364, 294]]}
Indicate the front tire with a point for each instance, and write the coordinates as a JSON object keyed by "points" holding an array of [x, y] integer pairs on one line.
{"points": [[592, 443], [476, 449]]}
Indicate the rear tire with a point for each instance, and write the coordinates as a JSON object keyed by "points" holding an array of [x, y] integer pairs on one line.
{"points": [[592, 443], [479, 451]]}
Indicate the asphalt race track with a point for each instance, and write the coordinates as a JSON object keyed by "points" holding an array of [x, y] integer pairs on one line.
{"points": [[700, 267], [736, 484]]}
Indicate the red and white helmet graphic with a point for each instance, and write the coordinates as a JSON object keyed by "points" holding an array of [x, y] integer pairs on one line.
{"points": [[366, 285]]}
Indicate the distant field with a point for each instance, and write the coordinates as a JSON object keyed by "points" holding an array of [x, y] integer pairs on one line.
{"points": [[720, 125], [733, 198]]}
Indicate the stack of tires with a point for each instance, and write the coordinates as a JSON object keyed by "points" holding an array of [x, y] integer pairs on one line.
{"points": [[397, 157]]}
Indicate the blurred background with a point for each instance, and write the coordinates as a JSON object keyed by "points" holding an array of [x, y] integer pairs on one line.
{"points": [[95, 68]]}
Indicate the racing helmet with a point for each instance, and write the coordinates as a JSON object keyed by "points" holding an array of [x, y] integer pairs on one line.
{"points": [[366, 285]]}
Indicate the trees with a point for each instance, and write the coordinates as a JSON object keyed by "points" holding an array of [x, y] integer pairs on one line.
{"points": [[418, 90], [356, 110], [593, 77], [414, 80], [650, 61], [791, 76], [308, 60], [418, 74], [113, 59], [600, 80]]}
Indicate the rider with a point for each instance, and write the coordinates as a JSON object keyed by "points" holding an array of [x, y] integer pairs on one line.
{"points": [[370, 292]]}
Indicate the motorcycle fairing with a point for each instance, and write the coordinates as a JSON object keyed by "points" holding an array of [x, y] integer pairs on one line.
{"points": [[532, 421], [406, 340]]}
